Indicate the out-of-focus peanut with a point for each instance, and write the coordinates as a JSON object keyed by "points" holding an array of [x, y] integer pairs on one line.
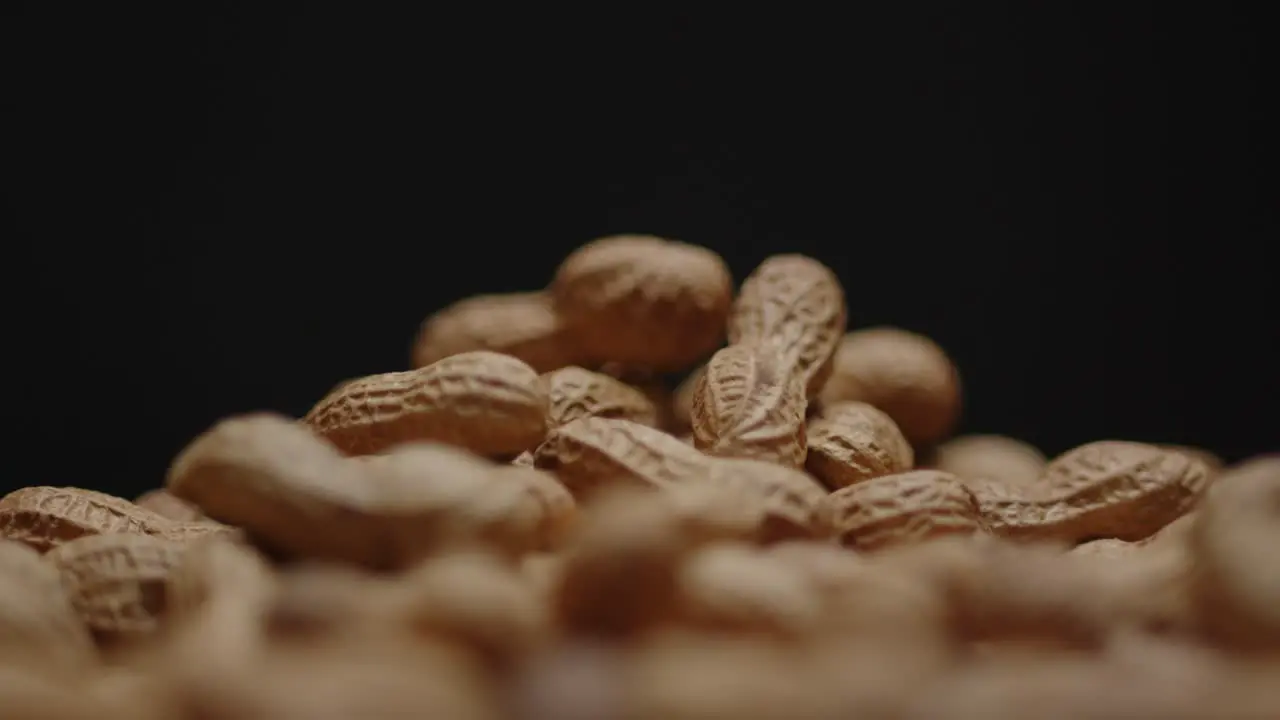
{"points": [[995, 458], [643, 300], [1236, 568], [904, 374], [523, 325]]}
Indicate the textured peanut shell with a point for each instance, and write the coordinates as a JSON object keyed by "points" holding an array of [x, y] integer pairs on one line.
{"points": [[902, 509], [796, 304], [644, 301], [1233, 544], [488, 403], [117, 582], [574, 392], [522, 325], [1105, 489], [990, 457], [590, 453], [854, 442], [793, 505], [905, 374], [748, 404], [45, 517], [37, 621]]}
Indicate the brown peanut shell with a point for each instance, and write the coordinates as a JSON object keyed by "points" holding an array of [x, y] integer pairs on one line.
{"points": [[748, 404], [644, 301], [796, 304], [854, 442], [488, 403]]}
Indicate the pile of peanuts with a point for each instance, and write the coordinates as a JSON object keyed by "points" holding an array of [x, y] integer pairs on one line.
{"points": [[539, 523]]}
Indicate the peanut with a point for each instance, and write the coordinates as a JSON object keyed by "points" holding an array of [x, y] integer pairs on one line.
{"points": [[485, 402], [854, 442], [46, 517], [795, 304], [733, 589], [523, 325], [574, 392], [590, 453], [1237, 571], [643, 300], [748, 404], [36, 616], [904, 374], [297, 496], [904, 508], [996, 458], [1105, 489], [620, 573], [117, 582], [792, 505]]}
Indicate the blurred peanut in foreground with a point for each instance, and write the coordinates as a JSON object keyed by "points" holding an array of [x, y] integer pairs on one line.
{"points": [[532, 524]]}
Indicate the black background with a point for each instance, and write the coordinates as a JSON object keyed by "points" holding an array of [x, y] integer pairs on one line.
{"points": [[228, 209]]}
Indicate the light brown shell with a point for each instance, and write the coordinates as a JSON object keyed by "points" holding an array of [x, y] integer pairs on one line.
{"points": [[523, 325], [794, 505], [748, 405], [574, 392], [1105, 489], [995, 458], [644, 301], [904, 374], [590, 453], [1233, 543], [618, 574], [559, 509], [853, 442], [486, 402], [738, 589], [428, 497], [905, 508], [215, 572], [117, 582], [275, 478], [298, 497], [797, 304], [37, 622], [45, 517]]}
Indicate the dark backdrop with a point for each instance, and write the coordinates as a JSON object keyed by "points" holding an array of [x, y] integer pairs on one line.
{"points": [[232, 209]]}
